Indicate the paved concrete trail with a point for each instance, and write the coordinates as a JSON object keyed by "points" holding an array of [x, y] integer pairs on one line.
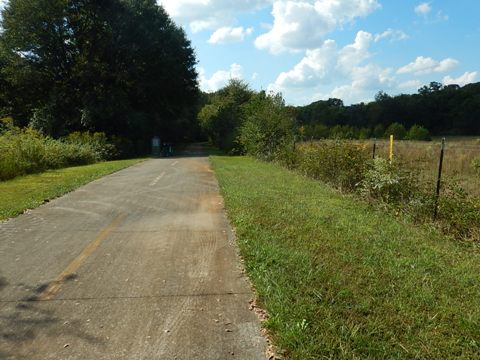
{"points": [[137, 265]]}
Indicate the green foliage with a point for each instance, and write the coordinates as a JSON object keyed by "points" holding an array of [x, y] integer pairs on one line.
{"points": [[443, 110], [417, 132], [476, 165], [267, 128], [339, 163], [26, 151], [378, 131], [388, 182], [116, 66], [364, 133], [397, 130], [343, 132], [459, 213], [222, 118]]}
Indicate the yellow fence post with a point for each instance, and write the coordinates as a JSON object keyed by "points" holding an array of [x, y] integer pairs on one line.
{"points": [[391, 148]]}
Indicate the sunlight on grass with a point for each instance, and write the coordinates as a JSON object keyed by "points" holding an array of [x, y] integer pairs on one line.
{"points": [[342, 280], [31, 191]]}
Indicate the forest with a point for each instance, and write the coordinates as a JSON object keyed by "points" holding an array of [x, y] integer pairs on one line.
{"points": [[119, 67], [442, 110]]}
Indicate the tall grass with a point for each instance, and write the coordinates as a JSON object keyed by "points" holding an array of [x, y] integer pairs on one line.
{"points": [[26, 151], [406, 187]]}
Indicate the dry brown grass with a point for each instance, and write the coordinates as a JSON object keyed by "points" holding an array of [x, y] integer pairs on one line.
{"points": [[460, 153]]}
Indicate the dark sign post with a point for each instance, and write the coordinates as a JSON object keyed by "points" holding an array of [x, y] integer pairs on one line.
{"points": [[439, 179], [156, 146]]}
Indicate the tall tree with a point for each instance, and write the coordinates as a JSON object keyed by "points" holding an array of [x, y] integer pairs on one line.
{"points": [[119, 66]]}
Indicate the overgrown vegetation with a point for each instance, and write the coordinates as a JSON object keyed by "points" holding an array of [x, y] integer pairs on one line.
{"points": [[28, 192], [260, 125], [339, 279], [26, 151]]}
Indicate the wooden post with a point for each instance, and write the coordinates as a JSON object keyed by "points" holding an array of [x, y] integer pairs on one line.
{"points": [[374, 147]]}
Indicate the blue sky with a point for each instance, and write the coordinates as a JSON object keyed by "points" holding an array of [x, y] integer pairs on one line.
{"points": [[315, 49]]}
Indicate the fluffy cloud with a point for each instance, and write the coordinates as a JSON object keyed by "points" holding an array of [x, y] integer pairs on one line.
{"points": [[467, 78], [326, 63], [423, 8], [219, 78], [209, 14], [227, 35], [392, 35], [426, 65], [330, 64], [300, 25]]}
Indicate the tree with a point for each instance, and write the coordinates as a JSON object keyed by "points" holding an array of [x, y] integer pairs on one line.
{"points": [[417, 132], [397, 130], [119, 66], [222, 118], [268, 127]]}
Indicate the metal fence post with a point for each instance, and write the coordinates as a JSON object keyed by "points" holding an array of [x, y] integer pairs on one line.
{"points": [[374, 147], [439, 179]]}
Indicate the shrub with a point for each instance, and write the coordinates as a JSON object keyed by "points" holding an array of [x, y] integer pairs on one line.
{"points": [[417, 132], [26, 151], [459, 213], [397, 130], [267, 128], [97, 141], [340, 163], [387, 182], [476, 165]]}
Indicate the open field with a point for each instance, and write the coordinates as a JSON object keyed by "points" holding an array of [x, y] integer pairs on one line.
{"points": [[461, 162], [30, 191], [343, 280]]}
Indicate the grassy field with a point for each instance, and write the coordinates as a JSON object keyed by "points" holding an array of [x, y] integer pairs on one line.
{"points": [[30, 191], [342, 280], [461, 163]]}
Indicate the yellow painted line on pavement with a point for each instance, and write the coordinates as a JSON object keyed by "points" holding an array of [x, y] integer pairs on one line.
{"points": [[55, 285], [174, 163]]}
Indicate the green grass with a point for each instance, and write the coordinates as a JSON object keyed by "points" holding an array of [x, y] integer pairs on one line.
{"points": [[342, 280], [31, 191]]}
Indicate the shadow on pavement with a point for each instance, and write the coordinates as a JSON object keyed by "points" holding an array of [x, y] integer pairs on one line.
{"points": [[23, 321]]}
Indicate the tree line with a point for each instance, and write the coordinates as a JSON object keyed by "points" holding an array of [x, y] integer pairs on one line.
{"points": [[122, 67], [238, 119], [435, 109]]}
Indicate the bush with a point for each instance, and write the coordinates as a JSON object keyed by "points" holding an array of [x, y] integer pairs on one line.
{"points": [[339, 163], [27, 151], [458, 213], [476, 165], [267, 128], [417, 132], [397, 130], [388, 182]]}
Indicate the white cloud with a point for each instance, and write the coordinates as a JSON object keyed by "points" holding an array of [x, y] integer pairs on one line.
{"points": [[393, 35], [330, 64], [226, 35], [300, 25], [209, 14], [426, 65], [467, 78], [423, 8], [219, 78], [410, 84]]}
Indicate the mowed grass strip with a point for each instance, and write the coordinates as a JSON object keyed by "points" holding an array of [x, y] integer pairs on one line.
{"points": [[341, 280], [29, 192]]}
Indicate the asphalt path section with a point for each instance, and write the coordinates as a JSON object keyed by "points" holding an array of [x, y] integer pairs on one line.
{"points": [[138, 265]]}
